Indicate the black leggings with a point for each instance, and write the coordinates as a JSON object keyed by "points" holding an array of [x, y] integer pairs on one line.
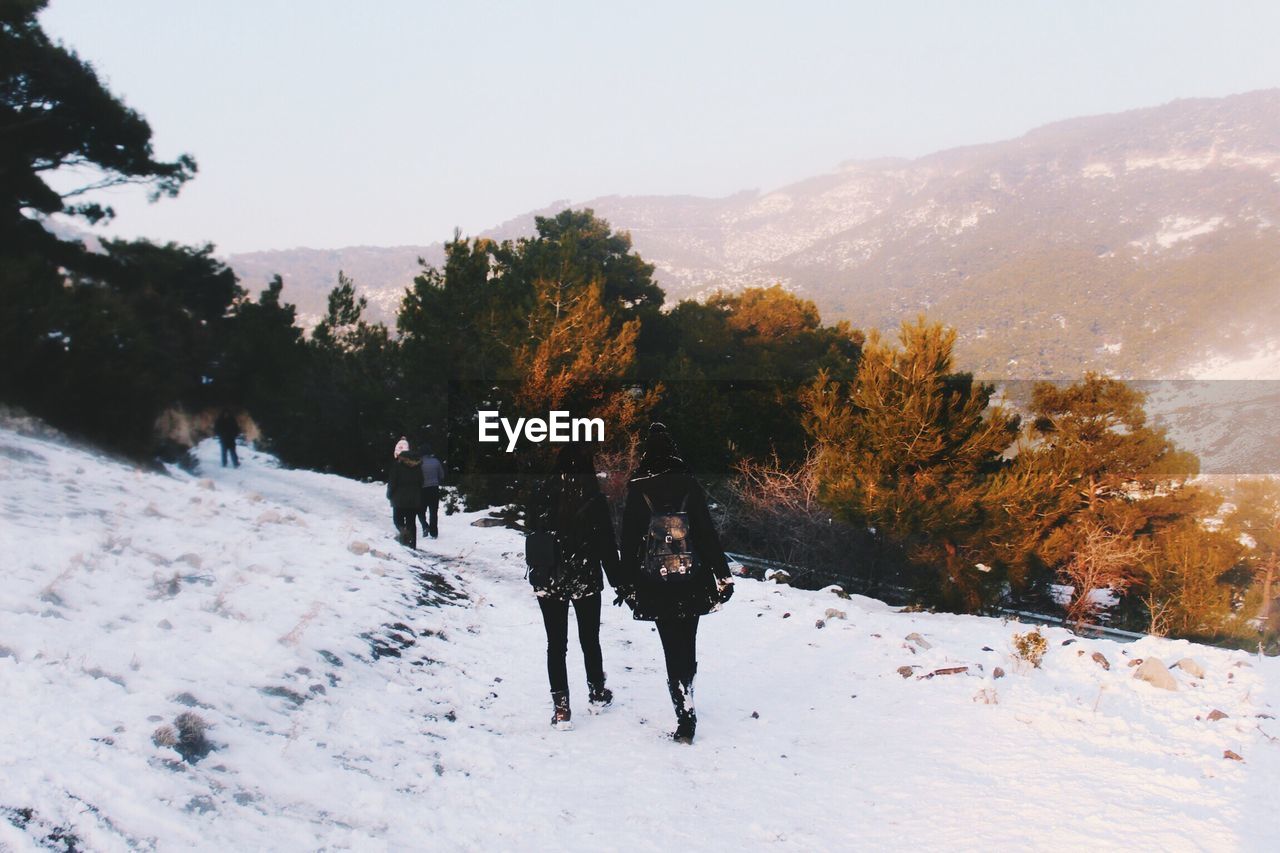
{"points": [[555, 616], [680, 646]]}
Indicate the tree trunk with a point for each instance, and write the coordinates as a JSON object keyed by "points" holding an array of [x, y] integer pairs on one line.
{"points": [[1268, 580]]}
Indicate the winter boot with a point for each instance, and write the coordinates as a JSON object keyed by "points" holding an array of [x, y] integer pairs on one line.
{"points": [[686, 718], [684, 730], [561, 715], [599, 697]]}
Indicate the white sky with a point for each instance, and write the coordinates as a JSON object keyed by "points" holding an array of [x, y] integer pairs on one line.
{"points": [[330, 123]]}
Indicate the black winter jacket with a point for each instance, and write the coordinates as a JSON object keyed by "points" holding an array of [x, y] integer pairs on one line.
{"points": [[404, 483], [226, 428], [584, 538], [666, 482]]}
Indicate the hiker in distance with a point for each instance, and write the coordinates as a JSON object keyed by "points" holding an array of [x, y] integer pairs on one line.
{"points": [[404, 491], [433, 474], [570, 541], [227, 429], [673, 570]]}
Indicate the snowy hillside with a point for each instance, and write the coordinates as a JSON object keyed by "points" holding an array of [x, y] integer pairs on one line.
{"points": [[359, 695]]}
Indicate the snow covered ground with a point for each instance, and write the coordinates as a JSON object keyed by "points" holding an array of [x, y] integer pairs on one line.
{"points": [[256, 598]]}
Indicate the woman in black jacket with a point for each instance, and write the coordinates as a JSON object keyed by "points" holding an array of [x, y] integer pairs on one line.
{"points": [[572, 507], [404, 491], [672, 569]]}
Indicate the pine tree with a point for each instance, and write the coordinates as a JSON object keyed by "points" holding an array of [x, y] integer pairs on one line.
{"points": [[733, 369], [911, 450], [1096, 431], [56, 116], [98, 344], [262, 365], [1123, 475], [1188, 590]]}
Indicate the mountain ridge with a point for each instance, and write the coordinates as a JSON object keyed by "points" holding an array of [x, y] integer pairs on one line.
{"points": [[1137, 243]]}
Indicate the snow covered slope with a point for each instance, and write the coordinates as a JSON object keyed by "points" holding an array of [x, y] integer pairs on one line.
{"points": [[359, 695]]}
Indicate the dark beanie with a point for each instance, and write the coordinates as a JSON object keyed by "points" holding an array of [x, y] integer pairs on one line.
{"points": [[659, 442]]}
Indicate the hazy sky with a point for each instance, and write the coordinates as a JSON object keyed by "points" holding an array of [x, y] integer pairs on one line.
{"points": [[329, 124]]}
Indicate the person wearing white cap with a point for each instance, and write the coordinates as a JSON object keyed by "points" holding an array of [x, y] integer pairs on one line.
{"points": [[404, 491]]}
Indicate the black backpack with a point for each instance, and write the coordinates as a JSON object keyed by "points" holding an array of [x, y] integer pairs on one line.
{"points": [[668, 547], [542, 553]]}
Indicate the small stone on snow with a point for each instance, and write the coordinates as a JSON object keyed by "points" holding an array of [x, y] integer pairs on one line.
{"points": [[1191, 666], [1154, 672], [913, 637]]}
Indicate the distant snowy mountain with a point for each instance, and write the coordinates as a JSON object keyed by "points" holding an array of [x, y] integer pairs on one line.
{"points": [[243, 659], [1141, 243]]}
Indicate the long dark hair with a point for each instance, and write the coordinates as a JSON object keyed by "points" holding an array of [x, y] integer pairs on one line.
{"points": [[575, 483]]}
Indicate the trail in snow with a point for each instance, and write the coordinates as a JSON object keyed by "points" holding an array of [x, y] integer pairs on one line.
{"points": [[808, 736]]}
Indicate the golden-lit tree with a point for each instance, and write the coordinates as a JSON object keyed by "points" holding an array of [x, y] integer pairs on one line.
{"points": [[910, 449], [575, 361]]}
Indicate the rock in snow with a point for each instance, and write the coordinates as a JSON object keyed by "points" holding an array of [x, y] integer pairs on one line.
{"points": [[920, 642], [1191, 667], [1154, 672]]}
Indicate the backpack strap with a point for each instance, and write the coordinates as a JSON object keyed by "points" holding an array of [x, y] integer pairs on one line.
{"points": [[653, 510]]}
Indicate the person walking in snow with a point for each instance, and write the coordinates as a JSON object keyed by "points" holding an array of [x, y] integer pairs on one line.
{"points": [[404, 491], [433, 474], [571, 508], [227, 429], [672, 568]]}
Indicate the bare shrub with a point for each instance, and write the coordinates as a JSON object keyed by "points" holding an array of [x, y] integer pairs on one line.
{"points": [[185, 429], [773, 511], [192, 744], [1030, 647], [1104, 557]]}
